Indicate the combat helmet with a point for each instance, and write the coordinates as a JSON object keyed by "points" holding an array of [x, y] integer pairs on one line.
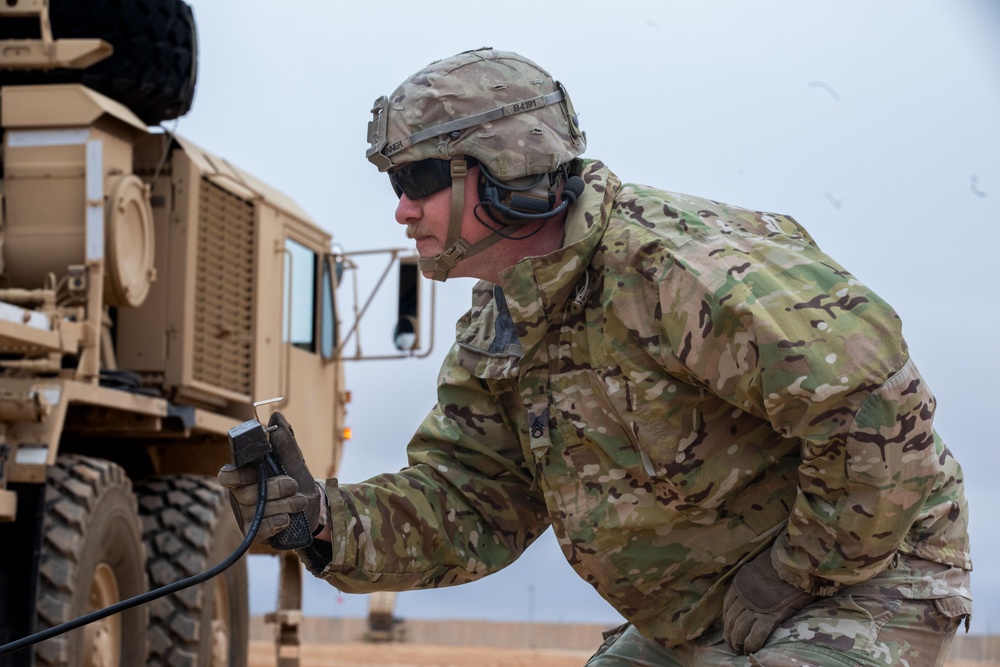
{"points": [[494, 107]]}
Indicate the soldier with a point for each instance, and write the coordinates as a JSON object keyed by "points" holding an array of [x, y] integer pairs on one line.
{"points": [[721, 424]]}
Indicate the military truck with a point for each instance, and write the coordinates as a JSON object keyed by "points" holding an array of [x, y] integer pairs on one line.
{"points": [[150, 292], [383, 624]]}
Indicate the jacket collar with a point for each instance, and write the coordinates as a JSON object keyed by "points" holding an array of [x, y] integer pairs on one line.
{"points": [[536, 289]]}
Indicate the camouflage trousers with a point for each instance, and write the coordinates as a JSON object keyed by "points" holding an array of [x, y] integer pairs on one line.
{"points": [[840, 631]]}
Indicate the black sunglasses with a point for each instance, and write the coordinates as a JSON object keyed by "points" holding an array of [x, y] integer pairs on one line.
{"points": [[421, 179]]}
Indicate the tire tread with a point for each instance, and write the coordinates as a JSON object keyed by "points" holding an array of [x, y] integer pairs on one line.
{"points": [[74, 485], [180, 516]]}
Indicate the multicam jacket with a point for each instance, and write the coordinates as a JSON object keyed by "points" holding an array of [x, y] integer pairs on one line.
{"points": [[682, 385]]}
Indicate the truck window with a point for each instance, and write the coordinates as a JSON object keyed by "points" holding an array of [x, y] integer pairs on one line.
{"points": [[328, 317], [300, 296]]}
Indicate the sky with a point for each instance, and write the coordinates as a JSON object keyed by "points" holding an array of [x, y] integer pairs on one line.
{"points": [[875, 125]]}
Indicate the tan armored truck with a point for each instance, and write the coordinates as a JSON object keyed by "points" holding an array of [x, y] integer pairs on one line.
{"points": [[149, 293]]}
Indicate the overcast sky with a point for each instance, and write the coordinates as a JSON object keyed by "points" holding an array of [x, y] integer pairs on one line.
{"points": [[875, 125]]}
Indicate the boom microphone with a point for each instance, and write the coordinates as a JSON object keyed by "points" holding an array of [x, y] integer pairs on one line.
{"points": [[573, 189]]}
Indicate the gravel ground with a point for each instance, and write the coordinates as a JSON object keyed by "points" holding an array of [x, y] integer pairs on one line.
{"points": [[419, 655], [416, 655]]}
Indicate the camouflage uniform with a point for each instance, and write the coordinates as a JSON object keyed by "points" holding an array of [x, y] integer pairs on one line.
{"points": [[679, 387], [844, 630]]}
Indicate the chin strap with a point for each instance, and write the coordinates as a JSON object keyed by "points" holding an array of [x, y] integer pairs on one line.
{"points": [[455, 246], [439, 266]]}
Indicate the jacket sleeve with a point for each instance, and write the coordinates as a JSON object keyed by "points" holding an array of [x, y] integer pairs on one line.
{"points": [[779, 330], [462, 509]]}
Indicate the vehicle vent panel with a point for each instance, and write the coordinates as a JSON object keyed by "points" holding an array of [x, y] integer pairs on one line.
{"points": [[224, 300]]}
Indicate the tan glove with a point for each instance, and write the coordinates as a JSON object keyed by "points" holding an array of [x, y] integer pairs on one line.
{"points": [[757, 602], [295, 492]]}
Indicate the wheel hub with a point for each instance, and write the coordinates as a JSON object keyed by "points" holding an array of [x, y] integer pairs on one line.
{"points": [[103, 639], [220, 625]]}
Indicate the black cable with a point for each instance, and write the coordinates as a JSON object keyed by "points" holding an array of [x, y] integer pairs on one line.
{"points": [[498, 231], [157, 593]]}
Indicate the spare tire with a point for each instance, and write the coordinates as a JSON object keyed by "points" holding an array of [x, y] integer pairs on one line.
{"points": [[154, 65]]}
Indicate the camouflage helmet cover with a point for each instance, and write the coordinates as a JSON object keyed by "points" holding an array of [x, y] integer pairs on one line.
{"points": [[495, 106]]}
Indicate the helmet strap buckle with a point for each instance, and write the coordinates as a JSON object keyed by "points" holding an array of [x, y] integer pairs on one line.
{"points": [[455, 246]]}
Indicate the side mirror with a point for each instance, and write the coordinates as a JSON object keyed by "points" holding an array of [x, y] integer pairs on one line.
{"points": [[413, 333], [406, 334]]}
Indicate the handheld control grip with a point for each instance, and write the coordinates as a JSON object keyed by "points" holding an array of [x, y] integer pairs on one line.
{"points": [[250, 445]]}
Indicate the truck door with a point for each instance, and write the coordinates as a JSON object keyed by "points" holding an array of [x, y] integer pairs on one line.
{"points": [[312, 376]]}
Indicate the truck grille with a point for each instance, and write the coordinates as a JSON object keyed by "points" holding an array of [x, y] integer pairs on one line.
{"points": [[224, 300]]}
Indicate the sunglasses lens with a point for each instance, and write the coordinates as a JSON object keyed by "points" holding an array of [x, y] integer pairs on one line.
{"points": [[421, 179]]}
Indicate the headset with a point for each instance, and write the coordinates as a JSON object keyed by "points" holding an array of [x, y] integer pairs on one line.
{"points": [[523, 200]]}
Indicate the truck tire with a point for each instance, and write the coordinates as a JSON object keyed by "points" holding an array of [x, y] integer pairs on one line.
{"points": [[188, 528], [92, 556], [154, 65]]}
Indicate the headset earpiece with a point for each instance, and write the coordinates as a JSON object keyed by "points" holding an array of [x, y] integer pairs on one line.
{"points": [[522, 201]]}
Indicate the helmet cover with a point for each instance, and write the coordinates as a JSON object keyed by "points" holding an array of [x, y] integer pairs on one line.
{"points": [[495, 106]]}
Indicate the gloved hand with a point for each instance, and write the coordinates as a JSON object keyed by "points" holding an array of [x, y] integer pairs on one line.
{"points": [[295, 492], [757, 602]]}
